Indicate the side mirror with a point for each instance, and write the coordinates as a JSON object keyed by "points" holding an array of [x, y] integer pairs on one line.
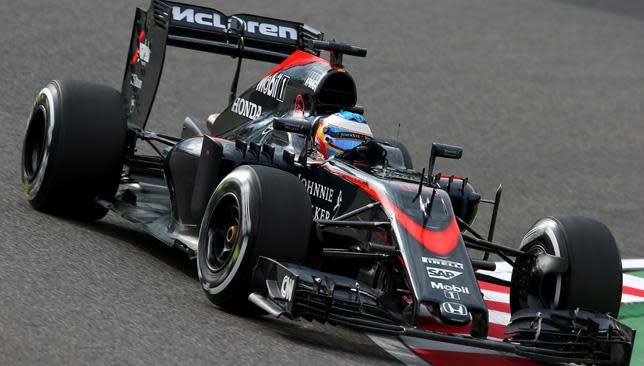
{"points": [[443, 151], [295, 125], [300, 126]]}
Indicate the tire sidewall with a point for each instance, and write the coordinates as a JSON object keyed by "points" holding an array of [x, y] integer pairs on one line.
{"points": [[548, 233], [240, 183], [47, 103]]}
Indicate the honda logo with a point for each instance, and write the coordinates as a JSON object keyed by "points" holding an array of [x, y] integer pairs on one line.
{"points": [[454, 308]]}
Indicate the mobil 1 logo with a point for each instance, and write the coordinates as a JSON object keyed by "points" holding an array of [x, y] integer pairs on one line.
{"points": [[274, 86], [452, 295], [451, 288]]}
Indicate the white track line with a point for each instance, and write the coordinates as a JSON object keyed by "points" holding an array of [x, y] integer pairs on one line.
{"points": [[395, 347], [632, 265]]}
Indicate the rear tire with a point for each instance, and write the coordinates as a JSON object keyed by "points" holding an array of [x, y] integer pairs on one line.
{"points": [[255, 211], [593, 280], [73, 149]]}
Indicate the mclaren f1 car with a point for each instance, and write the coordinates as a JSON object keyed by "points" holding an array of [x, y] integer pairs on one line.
{"points": [[361, 240]]}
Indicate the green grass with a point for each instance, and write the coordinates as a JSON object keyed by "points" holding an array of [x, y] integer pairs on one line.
{"points": [[633, 316]]}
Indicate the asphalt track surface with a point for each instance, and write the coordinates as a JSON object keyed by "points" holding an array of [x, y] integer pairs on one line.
{"points": [[547, 97]]}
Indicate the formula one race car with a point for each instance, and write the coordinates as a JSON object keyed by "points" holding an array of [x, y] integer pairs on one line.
{"points": [[358, 239]]}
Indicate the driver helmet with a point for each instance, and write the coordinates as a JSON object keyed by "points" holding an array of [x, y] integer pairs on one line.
{"points": [[340, 132]]}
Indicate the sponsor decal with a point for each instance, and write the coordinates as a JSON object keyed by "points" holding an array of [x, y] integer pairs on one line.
{"points": [[320, 213], [312, 80], [189, 15], [324, 193], [299, 103], [142, 52], [441, 273], [274, 86], [136, 82], [442, 262], [132, 105], [453, 288], [454, 308], [338, 203], [317, 190], [348, 135], [245, 108], [287, 287], [452, 295], [209, 19]]}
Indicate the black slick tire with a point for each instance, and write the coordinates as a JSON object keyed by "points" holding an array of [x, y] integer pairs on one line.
{"points": [[74, 148], [255, 211], [593, 280]]}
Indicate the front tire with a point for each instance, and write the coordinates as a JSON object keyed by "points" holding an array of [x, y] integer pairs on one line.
{"points": [[593, 280], [255, 211], [73, 148]]}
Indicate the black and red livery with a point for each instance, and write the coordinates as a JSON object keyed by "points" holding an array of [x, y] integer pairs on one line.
{"points": [[361, 240]]}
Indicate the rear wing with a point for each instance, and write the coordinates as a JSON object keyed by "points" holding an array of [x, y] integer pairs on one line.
{"points": [[266, 39], [168, 23]]}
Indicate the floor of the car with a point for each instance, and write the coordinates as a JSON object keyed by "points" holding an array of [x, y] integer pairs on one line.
{"points": [[151, 201], [145, 201]]}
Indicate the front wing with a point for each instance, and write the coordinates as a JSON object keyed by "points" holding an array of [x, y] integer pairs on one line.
{"points": [[284, 289]]}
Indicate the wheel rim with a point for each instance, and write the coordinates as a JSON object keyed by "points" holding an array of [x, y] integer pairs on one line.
{"points": [[223, 234], [545, 295], [35, 144]]}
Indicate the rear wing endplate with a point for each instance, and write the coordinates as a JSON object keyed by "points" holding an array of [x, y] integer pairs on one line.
{"points": [[168, 23]]}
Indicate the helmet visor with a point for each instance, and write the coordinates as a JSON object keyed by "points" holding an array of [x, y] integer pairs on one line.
{"points": [[344, 144]]}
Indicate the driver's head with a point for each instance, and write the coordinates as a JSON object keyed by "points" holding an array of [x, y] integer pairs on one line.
{"points": [[340, 132]]}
